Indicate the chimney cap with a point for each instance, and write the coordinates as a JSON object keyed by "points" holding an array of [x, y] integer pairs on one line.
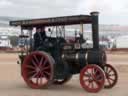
{"points": [[95, 13]]}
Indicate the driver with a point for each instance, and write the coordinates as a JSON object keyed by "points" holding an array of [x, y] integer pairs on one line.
{"points": [[39, 36]]}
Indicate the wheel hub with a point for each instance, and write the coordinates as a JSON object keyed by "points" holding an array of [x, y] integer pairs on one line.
{"points": [[38, 70]]}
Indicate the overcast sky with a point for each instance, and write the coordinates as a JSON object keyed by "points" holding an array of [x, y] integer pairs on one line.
{"points": [[111, 11]]}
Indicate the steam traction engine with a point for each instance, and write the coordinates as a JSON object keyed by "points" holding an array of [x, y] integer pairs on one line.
{"points": [[56, 60]]}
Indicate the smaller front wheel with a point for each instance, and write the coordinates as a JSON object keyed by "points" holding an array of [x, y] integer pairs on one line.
{"points": [[111, 76], [92, 78]]}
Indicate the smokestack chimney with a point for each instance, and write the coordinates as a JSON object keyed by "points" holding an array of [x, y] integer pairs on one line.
{"points": [[95, 13], [95, 29]]}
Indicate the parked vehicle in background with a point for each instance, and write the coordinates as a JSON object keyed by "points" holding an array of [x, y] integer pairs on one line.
{"points": [[5, 42], [121, 42]]}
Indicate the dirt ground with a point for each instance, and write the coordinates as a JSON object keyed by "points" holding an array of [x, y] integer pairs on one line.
{"points": [[12, 84]]}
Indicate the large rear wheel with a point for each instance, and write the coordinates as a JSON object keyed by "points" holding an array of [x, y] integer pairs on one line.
{"points": [[92, 78], [37, 69]]}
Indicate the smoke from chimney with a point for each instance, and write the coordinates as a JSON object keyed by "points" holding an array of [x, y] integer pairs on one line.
{"points": [[86, 6]]}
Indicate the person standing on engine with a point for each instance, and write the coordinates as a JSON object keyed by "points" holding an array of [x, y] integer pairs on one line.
{"points": [[39, 37]]}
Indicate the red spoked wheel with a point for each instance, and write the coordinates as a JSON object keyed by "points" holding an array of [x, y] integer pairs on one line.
{"points": [[111, 76], [92, 78], [62, 81], [37, 69]]}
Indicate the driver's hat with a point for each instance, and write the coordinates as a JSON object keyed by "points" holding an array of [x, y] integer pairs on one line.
{"points": [[40, 29]]}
